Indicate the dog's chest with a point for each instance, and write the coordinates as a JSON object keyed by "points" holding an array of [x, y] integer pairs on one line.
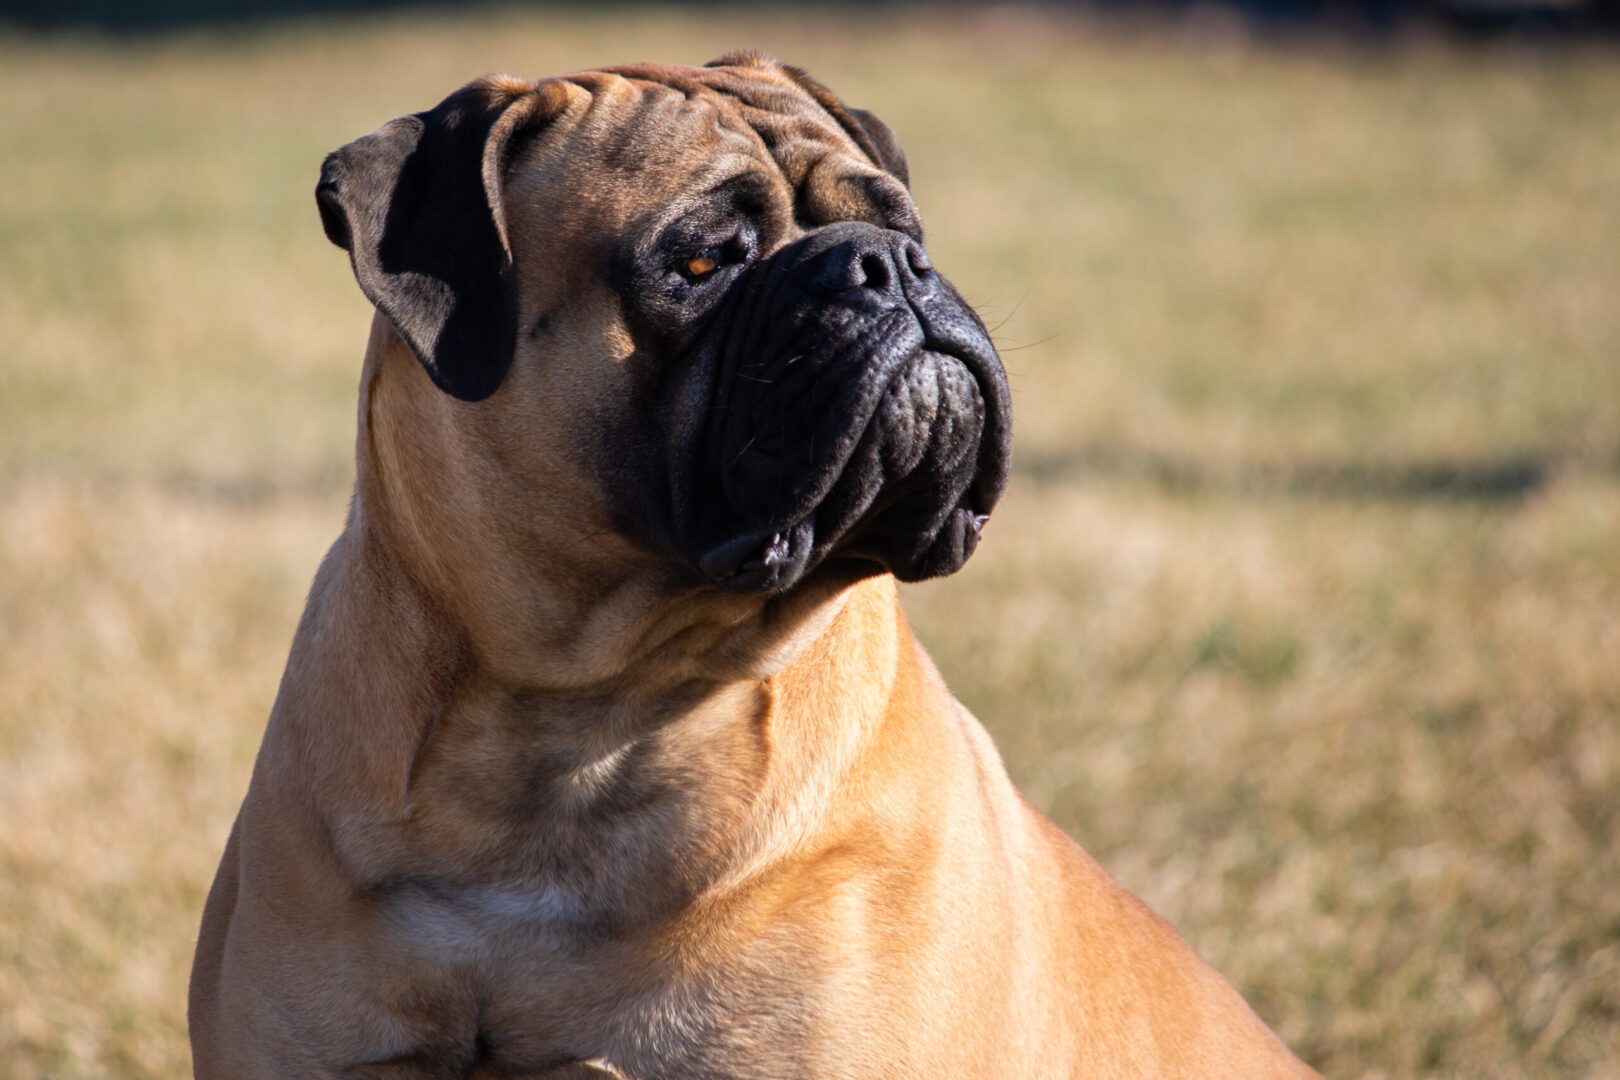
{"points": [[455, 926], [552, 987]]}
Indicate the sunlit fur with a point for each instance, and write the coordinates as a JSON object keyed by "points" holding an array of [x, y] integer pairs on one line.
{"points": [[530, 800]]}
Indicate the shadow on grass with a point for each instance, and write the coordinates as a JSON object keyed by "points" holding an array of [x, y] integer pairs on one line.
{"points": [[1504, 479]]}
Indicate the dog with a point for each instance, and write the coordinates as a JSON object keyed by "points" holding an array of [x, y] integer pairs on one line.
{"points": [[604, 748]]}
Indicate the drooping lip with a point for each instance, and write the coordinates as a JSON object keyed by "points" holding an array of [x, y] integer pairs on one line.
{"points": [[756, 562], [774, 557], [895, 335]]}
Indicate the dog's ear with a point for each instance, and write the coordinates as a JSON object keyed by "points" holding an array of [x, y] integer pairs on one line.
{"points": [[874, 137], [417, 205], [885, 148]]}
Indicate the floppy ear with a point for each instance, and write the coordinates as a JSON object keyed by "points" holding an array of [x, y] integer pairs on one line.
{"points": [[417, 205], [885, 148]]}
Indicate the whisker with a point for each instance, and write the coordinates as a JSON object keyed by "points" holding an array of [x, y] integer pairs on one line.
{"points": [[1028, 345], [1008, 317]]}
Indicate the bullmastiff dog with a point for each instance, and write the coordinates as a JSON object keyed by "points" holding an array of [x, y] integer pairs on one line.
{"points": [[604, 749]]}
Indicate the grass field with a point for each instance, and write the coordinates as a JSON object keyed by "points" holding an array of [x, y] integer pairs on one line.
{"points": [[1303, 613]]}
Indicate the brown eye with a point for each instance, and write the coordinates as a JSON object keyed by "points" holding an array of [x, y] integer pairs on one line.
{"points": [[701, 266]]}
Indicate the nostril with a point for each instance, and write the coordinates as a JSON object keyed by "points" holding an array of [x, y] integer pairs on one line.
{"points": [[918, 260], [875, 269]]}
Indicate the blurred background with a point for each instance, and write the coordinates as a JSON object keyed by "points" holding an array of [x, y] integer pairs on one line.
{"points": [[1303, 611]]}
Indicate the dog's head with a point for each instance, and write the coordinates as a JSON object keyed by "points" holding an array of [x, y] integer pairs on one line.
{"points": [[687, 309]]}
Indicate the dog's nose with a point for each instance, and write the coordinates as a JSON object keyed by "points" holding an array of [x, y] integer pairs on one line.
{"points": [[888, 263]]}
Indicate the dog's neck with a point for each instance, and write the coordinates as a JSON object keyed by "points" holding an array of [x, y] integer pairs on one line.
{"points": [[521, 553], [506, 727], [700, 776]]}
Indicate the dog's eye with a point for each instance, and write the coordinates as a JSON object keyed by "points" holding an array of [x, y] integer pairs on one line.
{"points": [[701, 265]]}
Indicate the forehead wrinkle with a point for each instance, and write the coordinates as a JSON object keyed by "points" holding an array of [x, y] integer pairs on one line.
{"points": [[766, 101], [635, 126], [831, 178], [694, 114], [742, 176], [655, 119], [729, 174], [810, 154]]}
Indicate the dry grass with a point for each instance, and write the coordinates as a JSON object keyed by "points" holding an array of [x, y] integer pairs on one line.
{"points": [[1304, 613]]}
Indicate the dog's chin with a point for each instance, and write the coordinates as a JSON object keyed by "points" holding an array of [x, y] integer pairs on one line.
{"points": [[760, 562], [757, 563], [910, 500]]}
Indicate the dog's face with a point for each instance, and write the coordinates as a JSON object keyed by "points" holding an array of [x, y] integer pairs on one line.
{"points": [[686, 313]]}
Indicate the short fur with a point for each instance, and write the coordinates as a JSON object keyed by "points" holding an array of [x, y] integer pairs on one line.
{"points": [[546, 794]]}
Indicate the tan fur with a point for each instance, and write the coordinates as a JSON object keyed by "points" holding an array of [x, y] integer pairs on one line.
{"points": [[530, 806]]}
